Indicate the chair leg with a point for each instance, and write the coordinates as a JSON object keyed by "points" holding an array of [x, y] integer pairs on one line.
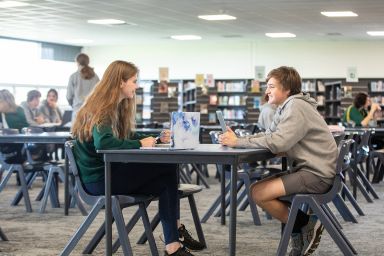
{"points": [[6, 178], [83, 228], [252, 205], [357, 183], [48, 186], [283, 245], [120, 225], [196, 220], [347, 193], [24, 189], [148, 230], [215, 204], [331, 216], [96, 238], [3, 236], [155, 221], [367, 184], [29, 178], [343, 209]]}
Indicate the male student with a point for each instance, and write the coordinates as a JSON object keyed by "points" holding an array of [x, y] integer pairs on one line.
{"points": [[299, 132]]}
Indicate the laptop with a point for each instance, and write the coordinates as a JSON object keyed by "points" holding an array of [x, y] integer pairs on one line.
{"points": [[185, 131], [67, 117]]}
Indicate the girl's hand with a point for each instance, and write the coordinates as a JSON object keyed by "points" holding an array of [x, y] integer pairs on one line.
{"points": [[148, 142], [228, 138]]}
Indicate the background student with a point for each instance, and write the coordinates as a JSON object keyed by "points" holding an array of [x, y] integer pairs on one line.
{"points": [[357, 114], [80, 83], [299, 132], [107, 121], [31, 108], [49, 108]]}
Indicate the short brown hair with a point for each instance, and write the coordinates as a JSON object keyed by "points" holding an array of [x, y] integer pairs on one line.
{"points": [[32, 95], [360, 100], [288, 77]]}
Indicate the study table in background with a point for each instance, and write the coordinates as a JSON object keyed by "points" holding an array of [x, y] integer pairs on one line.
{"points": [[204, 153], [44, 138]]}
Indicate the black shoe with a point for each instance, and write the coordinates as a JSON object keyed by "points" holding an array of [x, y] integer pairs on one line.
{"points": [[182, 251], [188, 241]]}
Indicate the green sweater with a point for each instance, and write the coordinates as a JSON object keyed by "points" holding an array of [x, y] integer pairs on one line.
{"points": [[16, 120], [354, 115], [90, 163]]}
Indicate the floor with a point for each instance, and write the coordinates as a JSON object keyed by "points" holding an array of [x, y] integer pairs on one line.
{"points": [[47, 234]]}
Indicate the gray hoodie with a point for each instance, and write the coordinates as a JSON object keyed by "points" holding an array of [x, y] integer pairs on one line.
{"points": [[299, 131]]}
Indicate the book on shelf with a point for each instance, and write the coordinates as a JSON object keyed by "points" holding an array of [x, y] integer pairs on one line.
{"points": [[204, 108], [348, 91], [163, 87], [256, 102], [377, 86], [255, 87], [320, 86], [199, 79], [172, 91], [212, 118], [212, 99], [139, 99], [164, 107], [320, 100]]}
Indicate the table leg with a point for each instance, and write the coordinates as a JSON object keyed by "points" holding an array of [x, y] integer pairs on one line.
{"points": [[108, 211], [233, 211], [66, 186], [222, 183]]}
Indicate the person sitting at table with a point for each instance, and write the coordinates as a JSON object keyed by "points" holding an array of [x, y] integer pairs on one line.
{"points": [[107, 121], [357, 114], [11, 116], [299, 132], [49, 108], [31, 110], [267, 112]]}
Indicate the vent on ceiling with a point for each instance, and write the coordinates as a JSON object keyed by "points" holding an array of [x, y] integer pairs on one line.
{"points": [[232, 36], [333, 34]]}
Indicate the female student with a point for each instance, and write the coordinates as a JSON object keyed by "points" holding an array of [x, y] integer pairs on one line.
{"points": [[12, 116], [357, 114], [106, 121], [49, 108], [300, 132]]}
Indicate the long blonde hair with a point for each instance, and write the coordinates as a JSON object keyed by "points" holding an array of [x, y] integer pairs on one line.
{"points": [[7, 97], [103, 105]]}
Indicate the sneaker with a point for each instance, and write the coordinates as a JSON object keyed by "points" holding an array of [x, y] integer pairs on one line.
{"points": [[311, 235], [182, 251], [188, 241], [296, 244]]}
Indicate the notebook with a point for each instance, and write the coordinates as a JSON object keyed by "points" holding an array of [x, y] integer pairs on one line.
{"points": [[185, 131]]}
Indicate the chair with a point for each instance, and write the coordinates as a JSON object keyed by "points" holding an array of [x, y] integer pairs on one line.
{"points": [[13, 162], [244, 178], [317, 203], [378, 167], [98, 202]]}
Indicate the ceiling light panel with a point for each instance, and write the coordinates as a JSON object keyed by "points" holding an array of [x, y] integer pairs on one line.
{"points": [[375, 33], [280, 35], [217, 17], [11, 4], [106, 22], [186, 37], [340, 14]]}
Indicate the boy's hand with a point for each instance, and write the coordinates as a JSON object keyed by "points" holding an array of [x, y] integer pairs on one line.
{"points": [[228, 138]]}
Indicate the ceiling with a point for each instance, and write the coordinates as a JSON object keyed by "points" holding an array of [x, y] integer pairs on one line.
{"points": [[156, 20]]}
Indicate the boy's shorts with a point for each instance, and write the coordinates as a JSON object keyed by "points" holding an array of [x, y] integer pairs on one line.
{"points": [[304, 182]]}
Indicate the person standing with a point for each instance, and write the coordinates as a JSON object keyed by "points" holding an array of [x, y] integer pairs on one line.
{"points": [[80, 83]]}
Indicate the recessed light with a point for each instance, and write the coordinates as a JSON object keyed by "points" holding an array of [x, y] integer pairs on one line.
{"points": [[186, 37], [106, 22], [217, 17], [280, 35], [339, 14], [10, 4], [375, 33], [79, 41]]}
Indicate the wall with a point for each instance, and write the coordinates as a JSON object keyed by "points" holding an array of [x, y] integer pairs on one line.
{"points": [[320, 59]]}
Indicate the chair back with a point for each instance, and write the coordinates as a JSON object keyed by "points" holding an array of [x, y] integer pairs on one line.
{"points": [[36, 153], [361, 150], [9, 131], [344, 157], [215, 136], [338, 137], [85, 196]]}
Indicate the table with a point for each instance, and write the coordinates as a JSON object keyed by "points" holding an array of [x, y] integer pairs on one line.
{"points": [[204, 153], [44, 138]]}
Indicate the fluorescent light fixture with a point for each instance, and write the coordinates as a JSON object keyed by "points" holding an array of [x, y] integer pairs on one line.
{"points": [[10, 4], [375, 33], [339, 14], [217, 17], [106, 22], [79, 41], [186, 37], [280, 35]]}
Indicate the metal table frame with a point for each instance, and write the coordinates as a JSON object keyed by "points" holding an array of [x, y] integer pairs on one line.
{"points": [[205, 153]]}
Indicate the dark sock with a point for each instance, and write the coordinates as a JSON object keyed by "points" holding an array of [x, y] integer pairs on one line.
{"points": [[301, 220]]}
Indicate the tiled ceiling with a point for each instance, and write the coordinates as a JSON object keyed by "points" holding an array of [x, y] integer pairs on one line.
{"points": [[156, 20]]}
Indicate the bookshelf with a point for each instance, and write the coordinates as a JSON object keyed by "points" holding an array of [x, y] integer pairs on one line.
{"points": [[164, 101], [333, 94], [316, 89]]}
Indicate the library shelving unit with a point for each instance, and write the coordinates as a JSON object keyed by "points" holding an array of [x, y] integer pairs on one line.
{"points": [[255, 91], [315, 88], [333, 94], [376, 91], [139, 105], [164, 101]]}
